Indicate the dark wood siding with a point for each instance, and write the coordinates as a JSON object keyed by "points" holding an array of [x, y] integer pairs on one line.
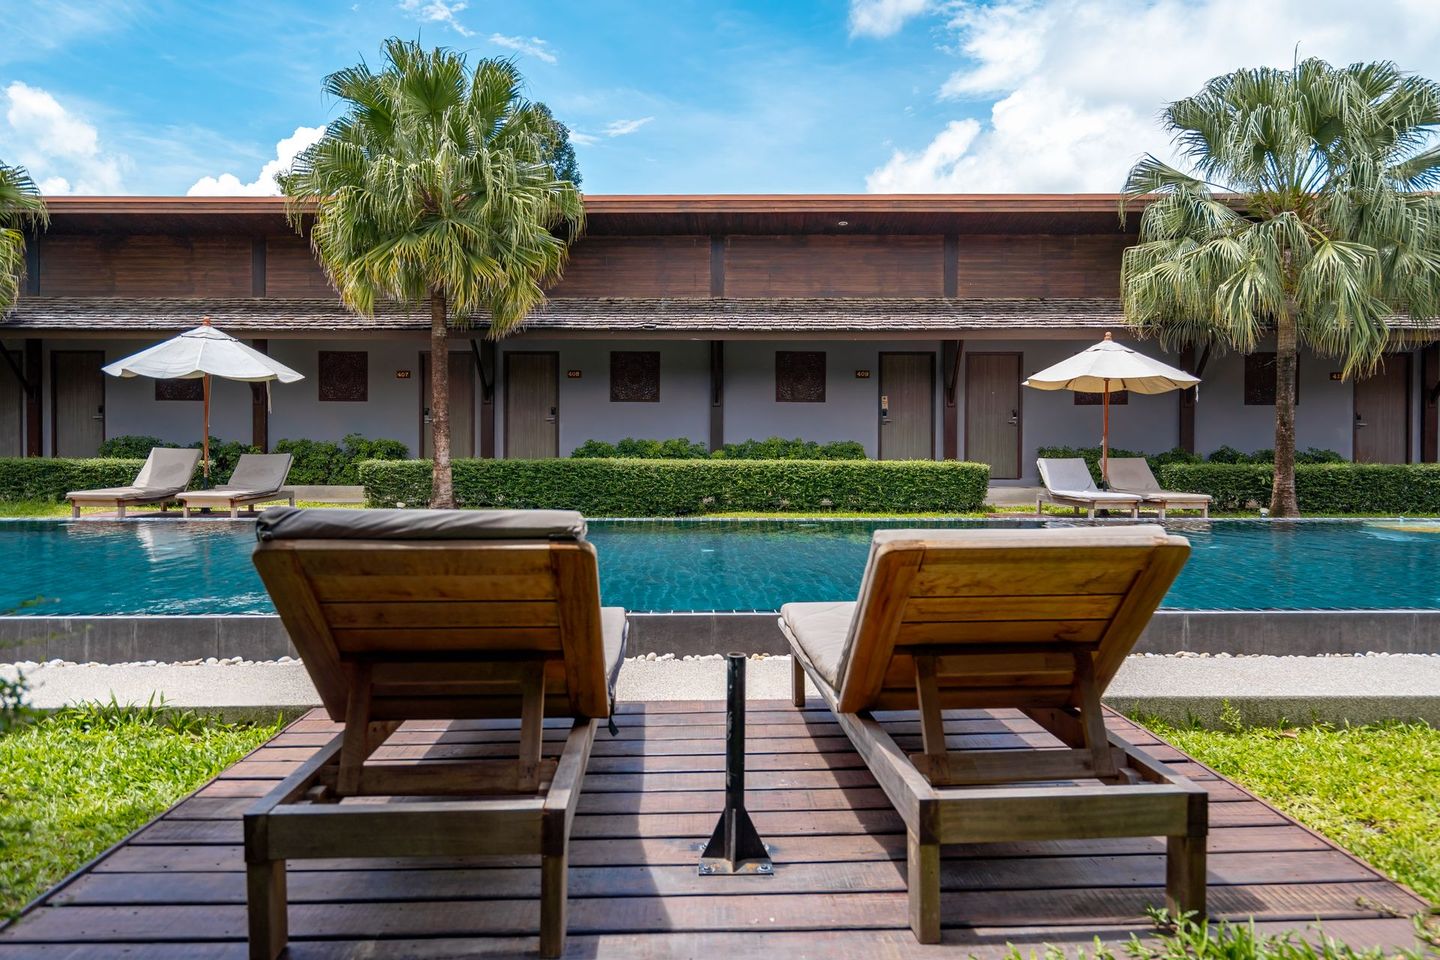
{"points": [[637, 267], [890, 266], [1041, 266], [145, 266], [291, 271]]}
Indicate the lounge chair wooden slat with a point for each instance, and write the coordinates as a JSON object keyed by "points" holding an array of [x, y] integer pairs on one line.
{"points": [[968, 635], [442, 613], [400, 623]]}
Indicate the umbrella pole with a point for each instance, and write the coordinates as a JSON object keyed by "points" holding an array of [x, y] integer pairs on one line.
{"points": [[1104, 438], [205, 439]]}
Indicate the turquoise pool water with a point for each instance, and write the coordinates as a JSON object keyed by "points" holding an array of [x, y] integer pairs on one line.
{"points": [[172, 567]]}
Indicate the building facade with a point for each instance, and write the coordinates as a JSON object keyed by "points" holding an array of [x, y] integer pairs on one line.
{"points": [[906, 323]]}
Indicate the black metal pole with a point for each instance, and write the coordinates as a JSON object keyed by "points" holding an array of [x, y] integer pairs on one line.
{"points": [[735, 846]]}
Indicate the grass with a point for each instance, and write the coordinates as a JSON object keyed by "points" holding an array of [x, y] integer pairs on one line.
{"points": [[75, 782], [1375, 790]]}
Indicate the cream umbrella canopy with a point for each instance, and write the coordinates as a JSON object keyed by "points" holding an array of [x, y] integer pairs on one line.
{"points": [[1111, 366], [203, 353]]}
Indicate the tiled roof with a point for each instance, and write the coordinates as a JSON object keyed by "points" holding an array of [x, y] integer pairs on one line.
{"points": [[622, 315], [773, 315]]}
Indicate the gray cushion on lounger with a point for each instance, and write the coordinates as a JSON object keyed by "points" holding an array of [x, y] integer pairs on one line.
{"points": [[612, 632], [291, 523], [821, 629]]}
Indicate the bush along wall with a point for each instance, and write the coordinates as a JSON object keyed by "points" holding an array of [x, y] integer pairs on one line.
{"points": [[321, 462], [46, 478], [1225, 455], [669, 488], [683, 448], [1320, 488]]}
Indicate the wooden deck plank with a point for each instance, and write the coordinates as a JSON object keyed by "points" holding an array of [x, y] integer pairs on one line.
{"points": [[176, 889]]}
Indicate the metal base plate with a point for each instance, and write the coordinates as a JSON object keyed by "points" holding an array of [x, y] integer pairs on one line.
{"points": [[735, 848]]}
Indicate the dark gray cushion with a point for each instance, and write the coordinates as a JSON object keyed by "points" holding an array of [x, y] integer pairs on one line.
{"points": [[291, 523]]}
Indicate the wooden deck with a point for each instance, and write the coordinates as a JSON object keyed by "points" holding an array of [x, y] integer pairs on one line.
{"points": [[177, 888]]}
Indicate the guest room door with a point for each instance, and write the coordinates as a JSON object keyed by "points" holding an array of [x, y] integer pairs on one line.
{"points": [[77, 411], [1382, 413], [532, 405], [992, 412], [462, 406]]}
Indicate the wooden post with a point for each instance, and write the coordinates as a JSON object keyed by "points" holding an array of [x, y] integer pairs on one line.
{"points": [[1105, 440], [486, 361], [923, 879], [797, 681], [1430, 403], [1186, 427], [717, 394], [34, 411], [260, 406], [950, 354], [205, 433]]}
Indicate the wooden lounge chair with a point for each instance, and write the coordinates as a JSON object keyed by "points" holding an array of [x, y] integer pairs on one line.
{"points": [[258, 478], [1068, 483], [434, 614], [1037, 620], [1133, 475], [167, 471]]}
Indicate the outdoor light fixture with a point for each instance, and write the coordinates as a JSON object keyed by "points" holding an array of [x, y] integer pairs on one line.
{"points": [[842, 223]]}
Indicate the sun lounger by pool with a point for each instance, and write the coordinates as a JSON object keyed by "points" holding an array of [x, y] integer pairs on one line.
{"points": [[258, 478], [434, 615], [1133, 475], [167, 471], [1034, 620], [1068, 483]]}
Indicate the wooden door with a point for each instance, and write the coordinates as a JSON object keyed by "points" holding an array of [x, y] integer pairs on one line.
{"points": [[907, 406], [1382, 413], [532, 405], [992, 412], [77, 402], [462, 407], [12, 408]]}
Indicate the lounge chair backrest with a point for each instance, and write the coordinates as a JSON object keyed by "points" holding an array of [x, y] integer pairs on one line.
{"points": [[1068, 473], [1004, 612], [437, 606], [168, 468], [1132, 474], [260, 471]]}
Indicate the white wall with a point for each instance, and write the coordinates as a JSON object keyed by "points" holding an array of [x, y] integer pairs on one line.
{"points": [[1323, 417], [851, 410]]}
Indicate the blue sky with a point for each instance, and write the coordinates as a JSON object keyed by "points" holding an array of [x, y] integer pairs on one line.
{"points": [[669, 97]]}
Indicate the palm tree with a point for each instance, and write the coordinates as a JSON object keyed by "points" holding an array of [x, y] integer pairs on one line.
{"points": [[1305, 216], [433, 188], [20, 207]]}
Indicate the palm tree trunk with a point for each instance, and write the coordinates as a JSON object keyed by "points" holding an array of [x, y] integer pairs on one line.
{"points": [[442, 486], [1282, 494]]}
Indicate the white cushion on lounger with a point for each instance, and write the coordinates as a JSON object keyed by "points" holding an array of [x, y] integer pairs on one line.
{"points": [[821, 630]]}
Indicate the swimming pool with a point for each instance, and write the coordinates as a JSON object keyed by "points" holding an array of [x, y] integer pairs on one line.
{"points": [[90, 567]]}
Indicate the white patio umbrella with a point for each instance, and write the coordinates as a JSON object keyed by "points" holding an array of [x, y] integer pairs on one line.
{"points": [[1111, 366], [203, 353]]}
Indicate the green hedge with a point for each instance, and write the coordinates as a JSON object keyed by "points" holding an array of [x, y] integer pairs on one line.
{"points": [[327, 462], [1321, 488], [683, 448], [47, 478], [1157, 461], [667, 488], [224, 454]]}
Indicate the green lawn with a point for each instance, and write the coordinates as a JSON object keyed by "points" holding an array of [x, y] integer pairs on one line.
{"points": [[45, 508], [1374, 790], [75, 782]]}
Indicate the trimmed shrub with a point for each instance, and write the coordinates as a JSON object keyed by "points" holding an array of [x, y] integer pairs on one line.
{"points": [[48, 478], [678, 448], [778, 448], [325, 462], [1320, 488], [130, 446], [661, 488], [224, 454]]}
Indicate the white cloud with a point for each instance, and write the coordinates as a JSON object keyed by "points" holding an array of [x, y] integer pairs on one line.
{"points": [[881, 18], [1074, 86], [532, 46], [60, 149], [583, 139], [438, 11], [621, 128], [229, 185]]}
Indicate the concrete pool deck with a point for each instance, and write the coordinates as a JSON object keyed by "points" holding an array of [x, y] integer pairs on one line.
{"points": [[1263, 689]]}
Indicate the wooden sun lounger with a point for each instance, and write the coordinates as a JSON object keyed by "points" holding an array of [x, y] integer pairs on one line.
{"points": [[1035, 620], [1133, 475], [433, 614], [166, 473], [258, 478]]}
